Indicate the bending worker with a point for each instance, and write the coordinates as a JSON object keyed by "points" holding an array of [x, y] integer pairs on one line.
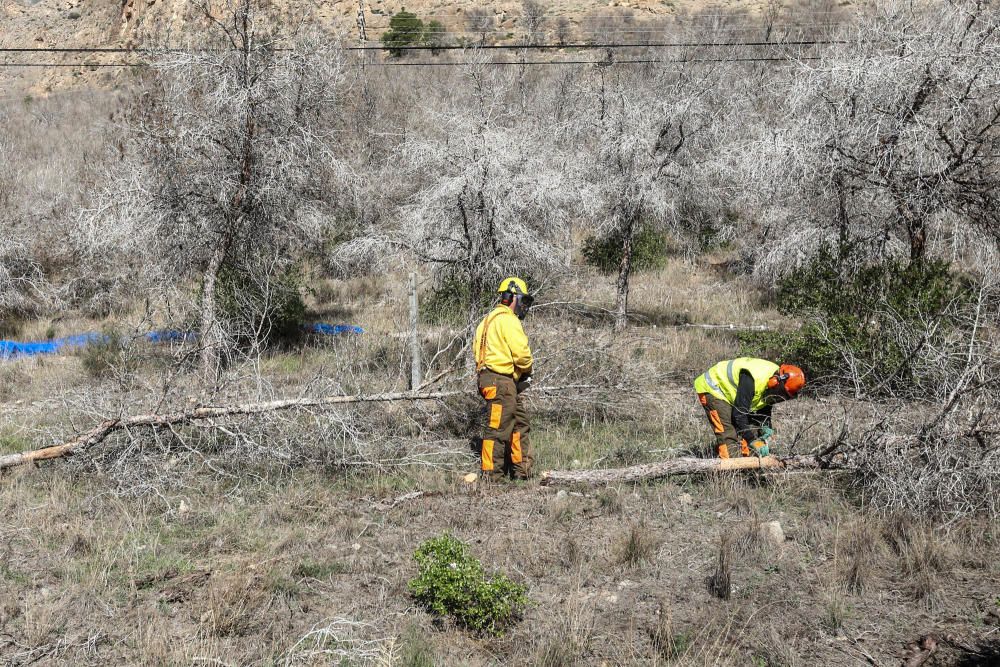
{"points": [[738, 395], [503, 363]]}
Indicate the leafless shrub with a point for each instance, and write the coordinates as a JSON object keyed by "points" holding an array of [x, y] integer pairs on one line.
{"points": [[894, 143], [533, 18], [497, 204], [221, 165], [933, 450], [23, 288], [343, 641]]}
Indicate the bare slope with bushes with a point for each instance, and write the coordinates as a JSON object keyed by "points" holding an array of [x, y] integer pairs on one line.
{"points": [[837, 213]]}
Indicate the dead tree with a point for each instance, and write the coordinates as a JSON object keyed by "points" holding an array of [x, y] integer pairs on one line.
{"points": [[490, 196], [647, 134], [222, 163]]}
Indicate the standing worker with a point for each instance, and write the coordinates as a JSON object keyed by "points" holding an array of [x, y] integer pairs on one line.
{"points": [[503, 364], [738, 395]]}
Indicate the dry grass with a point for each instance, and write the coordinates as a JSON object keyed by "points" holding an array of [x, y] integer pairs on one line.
{"points": [[636, 548], [151, 555], [720, 581]]}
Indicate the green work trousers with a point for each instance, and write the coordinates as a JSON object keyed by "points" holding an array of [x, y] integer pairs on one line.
{"points": [[720, 415]]}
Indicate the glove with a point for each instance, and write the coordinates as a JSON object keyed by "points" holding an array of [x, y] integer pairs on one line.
{"points": [[760, 448], [766, 433], [524, 384]]}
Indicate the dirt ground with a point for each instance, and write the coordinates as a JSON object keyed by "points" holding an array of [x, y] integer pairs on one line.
{"points": [[159, 551], [311, 567]]}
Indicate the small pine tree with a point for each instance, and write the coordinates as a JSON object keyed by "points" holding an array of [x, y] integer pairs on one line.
{"points": [[405, 29], [434, 36]]}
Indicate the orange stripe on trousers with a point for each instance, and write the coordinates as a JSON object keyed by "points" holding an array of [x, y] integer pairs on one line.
{"points": [[496, 412], [515, 447], [487, 455]]}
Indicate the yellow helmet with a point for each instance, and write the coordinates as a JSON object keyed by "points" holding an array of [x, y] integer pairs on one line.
{"points": [[513, 285]]}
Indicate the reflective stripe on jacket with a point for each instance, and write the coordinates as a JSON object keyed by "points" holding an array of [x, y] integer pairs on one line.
{"points": [[723, 379], [505, 348]]}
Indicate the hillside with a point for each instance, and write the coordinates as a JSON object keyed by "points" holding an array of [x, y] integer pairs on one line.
{"points": [[145, 23]]}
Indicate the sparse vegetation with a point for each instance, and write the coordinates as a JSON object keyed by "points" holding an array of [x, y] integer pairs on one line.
{"points": [[846, 203]]}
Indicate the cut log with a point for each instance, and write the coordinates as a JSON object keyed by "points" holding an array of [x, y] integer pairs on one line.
{"points": [[680, 466], [97, 434]]}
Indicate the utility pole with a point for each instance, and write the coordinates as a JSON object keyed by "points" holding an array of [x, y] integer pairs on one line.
{"points": [[416, 376], [362, 32]]}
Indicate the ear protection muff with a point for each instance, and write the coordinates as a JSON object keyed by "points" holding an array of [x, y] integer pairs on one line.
{"points": [[777, 379]]}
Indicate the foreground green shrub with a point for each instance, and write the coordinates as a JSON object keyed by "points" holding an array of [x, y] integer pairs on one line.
{"points": [[865, 327], [451, 582], [649, 251]]}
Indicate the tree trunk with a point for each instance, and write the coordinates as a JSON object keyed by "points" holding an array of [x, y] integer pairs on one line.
{"points": [[624, 274], [100, 432], [680, 466], [211, 333]]}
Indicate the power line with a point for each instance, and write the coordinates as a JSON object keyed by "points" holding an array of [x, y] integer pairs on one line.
{"points": [[491, 47], [79, 65], [612, 17], [598, 63], [448, 47]]}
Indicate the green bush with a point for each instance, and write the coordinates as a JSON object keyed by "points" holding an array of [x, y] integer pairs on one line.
{"points": [[108, 356], [451, 582], [405, 29], [274, 307], [649, 251], [878, 315], [435, 35], [450, 299]]}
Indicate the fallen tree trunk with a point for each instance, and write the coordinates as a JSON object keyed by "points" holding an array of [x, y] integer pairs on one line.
{"points": [[680, 466], [100, 432], [97, 434]]}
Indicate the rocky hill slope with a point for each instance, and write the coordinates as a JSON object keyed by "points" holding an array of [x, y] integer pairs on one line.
{"points": [[137, 23]]}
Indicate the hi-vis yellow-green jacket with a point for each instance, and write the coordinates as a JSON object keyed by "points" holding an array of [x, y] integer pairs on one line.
{"points": [[723, 379], [504, 347]]}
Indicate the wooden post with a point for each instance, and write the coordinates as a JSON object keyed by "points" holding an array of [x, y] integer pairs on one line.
{"points": [[416, 376]]}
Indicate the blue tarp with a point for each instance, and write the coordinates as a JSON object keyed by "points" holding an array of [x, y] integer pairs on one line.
{"points": [[169, 336], [10, 349], [333, 329]]}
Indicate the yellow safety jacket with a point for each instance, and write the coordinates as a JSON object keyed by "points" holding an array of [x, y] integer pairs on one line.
{"points": [[501, 345], [723, 379]]}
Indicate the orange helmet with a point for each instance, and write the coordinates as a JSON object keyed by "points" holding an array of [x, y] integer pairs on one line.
{"points": [[790, 378]]}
